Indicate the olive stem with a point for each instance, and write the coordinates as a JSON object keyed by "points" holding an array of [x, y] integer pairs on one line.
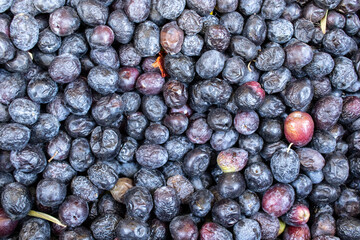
{"points": [[45, 216], [249, 66], [56, 152], [31, 56], [323, 22], [289, 147]]}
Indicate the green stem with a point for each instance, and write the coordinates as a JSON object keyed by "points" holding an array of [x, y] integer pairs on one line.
{"points": [[45, 216]]}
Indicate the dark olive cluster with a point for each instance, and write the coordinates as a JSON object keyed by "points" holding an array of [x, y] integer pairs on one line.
{"points": [[179, 119]]}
